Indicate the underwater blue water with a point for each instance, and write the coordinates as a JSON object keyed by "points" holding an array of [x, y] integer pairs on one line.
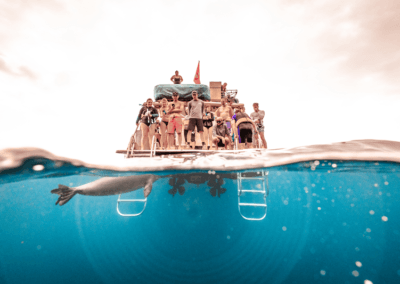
{"points": [[326, 222]]}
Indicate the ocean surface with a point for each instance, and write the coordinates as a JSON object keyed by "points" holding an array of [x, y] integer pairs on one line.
{"points": [[324, 214]]}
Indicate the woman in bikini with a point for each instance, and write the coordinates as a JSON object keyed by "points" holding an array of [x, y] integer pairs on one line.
{"points": [[176, 79], [164, 122], [208, 125]]}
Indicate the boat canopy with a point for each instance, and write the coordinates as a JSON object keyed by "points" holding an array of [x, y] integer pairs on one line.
{"points": [[184, 91]]}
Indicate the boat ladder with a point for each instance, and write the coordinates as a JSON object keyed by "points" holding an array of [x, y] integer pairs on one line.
{"points": [[262, 192], [144, 201]]}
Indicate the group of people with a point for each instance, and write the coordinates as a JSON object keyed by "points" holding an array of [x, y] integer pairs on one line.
{"points": [[172, 117]]}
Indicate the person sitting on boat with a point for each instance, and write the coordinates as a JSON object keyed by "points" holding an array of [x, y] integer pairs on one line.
{"points": [[208, 119], [226, 112], [177, 79], [148, 115], [164, 123], [175, 112], [196, 112], [243, 127], [220, 134], [185, 131], [223, 90], [258, 116]]}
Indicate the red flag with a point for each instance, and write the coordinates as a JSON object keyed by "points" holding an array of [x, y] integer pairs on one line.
{"points": [[197, 76]]}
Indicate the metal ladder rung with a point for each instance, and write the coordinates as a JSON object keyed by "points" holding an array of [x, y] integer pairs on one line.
{"points": [[131, 200], [252, 190], [256, 178], [253, 204]]}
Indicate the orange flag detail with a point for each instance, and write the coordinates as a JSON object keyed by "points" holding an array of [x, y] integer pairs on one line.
{"points": [[197, 75]]}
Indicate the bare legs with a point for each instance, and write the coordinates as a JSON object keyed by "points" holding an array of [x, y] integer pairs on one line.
{"points": [[164, 135], [208, 136], [147, 135]]}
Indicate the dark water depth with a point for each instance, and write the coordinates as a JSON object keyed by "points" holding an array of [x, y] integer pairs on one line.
{"points": [[326, 222]]}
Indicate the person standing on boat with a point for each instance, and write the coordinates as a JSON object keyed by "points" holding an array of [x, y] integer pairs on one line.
{"points": [[258, 117], [220, 134], [175, 112], [147, 115], [185, 131], [177, 79], [243, 127], [208, 119], [196, 112], [223, 90], [164, 123]]}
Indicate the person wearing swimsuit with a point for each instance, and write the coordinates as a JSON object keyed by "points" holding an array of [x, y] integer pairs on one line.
{"points": [[175, 110], [258, 116], [243, 128], [164, 123], [223, 90], [147, 116], [208, 119], [177, 79]]}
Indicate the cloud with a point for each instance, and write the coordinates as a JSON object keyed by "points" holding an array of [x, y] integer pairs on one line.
{"points": [[13, 14], [361, 38], [22, 71]]}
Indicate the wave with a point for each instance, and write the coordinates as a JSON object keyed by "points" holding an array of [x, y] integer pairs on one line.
{"points": [[356, 150]]}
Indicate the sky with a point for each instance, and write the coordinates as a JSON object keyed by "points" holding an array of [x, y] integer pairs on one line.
{"points": [[73, 72]]}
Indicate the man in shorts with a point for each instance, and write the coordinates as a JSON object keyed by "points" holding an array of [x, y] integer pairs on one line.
{"points": [[220, 134], [147, 116], [196, 111], [175, 111], [258, 117]]}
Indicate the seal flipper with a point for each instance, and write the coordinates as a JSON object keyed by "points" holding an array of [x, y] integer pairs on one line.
{"points": [[147, 188], [65, 193]]}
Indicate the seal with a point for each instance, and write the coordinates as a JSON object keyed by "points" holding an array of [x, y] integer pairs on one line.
{"points": [[107, 186]]}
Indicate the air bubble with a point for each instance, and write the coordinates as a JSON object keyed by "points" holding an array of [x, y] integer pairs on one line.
{"points": [[38, 168], [358, 263], [384, 218], [334, 165]]}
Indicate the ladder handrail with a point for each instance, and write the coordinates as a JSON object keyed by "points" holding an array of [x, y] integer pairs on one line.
{"points": [[153, 147], [132, 142]]}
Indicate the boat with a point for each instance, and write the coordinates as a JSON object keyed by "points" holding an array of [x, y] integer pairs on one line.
{"points": [[211, 95]]}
